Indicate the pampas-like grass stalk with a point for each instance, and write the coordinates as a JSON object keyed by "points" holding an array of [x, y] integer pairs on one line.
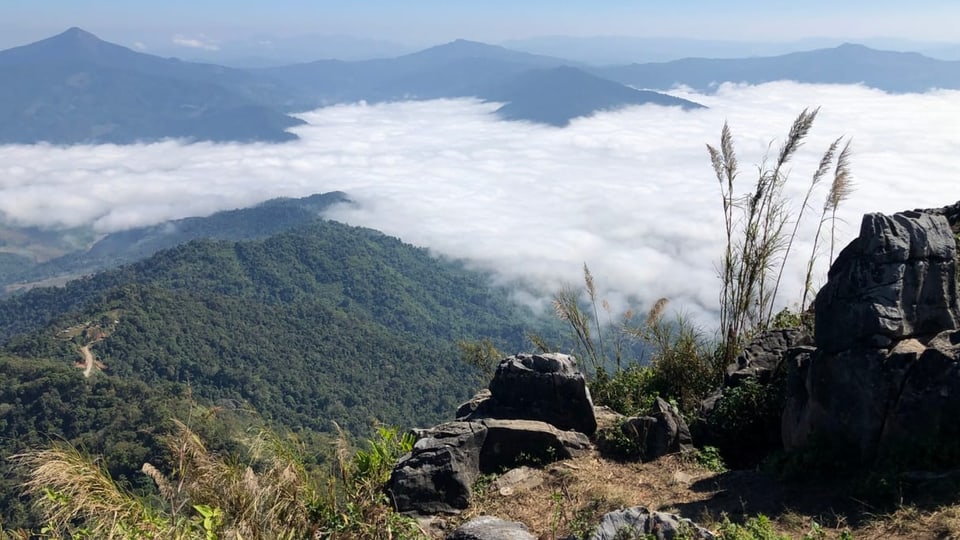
{"points": [[840, 190], [757, 239], [70, 488], [656, 312]]}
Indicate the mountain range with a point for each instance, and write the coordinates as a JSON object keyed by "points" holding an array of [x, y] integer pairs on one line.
{"points": [[896, 72], [75, 88]]}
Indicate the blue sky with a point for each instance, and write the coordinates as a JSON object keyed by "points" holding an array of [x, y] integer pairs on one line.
{"points": [[434, 21]]}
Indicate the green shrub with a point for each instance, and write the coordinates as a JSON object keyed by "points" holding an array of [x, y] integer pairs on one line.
{"points": [[613, 443], [745, 422], [756, 528], [678, 362], [709, 458], [685, 368], [630, 391]]}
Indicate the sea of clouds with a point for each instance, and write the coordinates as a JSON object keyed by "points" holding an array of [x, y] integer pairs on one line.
{"points": [[631, 193]]}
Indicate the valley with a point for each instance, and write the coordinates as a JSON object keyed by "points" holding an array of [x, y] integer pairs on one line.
{"points": [[259, 282]]}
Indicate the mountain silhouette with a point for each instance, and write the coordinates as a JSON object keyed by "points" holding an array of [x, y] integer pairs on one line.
{"points": [[845, 64], [75, 88], [556, 96]]}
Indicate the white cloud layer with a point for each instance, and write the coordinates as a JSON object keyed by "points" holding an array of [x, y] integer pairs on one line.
{"points": [[631, 193]]}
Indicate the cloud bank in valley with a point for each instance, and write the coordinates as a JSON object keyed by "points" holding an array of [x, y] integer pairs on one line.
{"points": [[631, 193]]}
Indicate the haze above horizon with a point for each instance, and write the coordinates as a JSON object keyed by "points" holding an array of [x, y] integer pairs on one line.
{"points": [[207, 25]]}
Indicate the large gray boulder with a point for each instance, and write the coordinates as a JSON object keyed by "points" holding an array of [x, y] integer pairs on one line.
{"points": [[884, 381], [897, 280], [437, 476], [491, 528], [510, 443], [638, 522], [544, 387]]}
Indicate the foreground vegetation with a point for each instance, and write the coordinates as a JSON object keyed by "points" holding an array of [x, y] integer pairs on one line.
{"points": [[266, 491]]}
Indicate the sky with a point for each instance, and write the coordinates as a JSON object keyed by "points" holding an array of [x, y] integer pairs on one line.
{"points": [[629, 193], [427, 22]]}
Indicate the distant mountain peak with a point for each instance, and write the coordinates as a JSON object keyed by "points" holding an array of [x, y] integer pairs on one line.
{"points": [[74, 43], [462, 46], [76, 36], [76, 32], [461, 41]]}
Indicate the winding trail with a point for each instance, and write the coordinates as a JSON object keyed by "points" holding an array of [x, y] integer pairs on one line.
{"points": [[89, 360]]}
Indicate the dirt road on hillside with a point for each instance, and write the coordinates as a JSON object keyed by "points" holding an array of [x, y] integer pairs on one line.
{"points": [[89, 360]]}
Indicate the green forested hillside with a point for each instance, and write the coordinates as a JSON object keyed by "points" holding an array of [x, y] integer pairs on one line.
{"points": [[329, 322]]}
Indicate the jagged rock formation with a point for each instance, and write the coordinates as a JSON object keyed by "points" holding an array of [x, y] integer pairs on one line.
{"points": [[545, 387], [446, 460], [437, 476], [897, 280], [491, 528], [884, 380], [638, 522], [663, 431]]}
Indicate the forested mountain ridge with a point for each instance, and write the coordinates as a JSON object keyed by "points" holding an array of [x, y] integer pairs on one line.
{"points": [[259, 221], [44, 401], [329, 301]]}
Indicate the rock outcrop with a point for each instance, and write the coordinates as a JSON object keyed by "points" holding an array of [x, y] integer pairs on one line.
{"points": [[544, 387], [884, 380], [742, 418], [897, 280], [538, 410], [763, 357], [638, 522], [438, 475]]}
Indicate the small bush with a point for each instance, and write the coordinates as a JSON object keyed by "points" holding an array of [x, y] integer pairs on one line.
{"points": [[630, 391], [755, 528], [709, 458], [613, 443], [679, 363], [685, 368], [745, 422]]}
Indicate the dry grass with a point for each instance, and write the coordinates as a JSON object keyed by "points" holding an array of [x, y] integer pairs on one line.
{"points": [[576, 493], [71, 488]]}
